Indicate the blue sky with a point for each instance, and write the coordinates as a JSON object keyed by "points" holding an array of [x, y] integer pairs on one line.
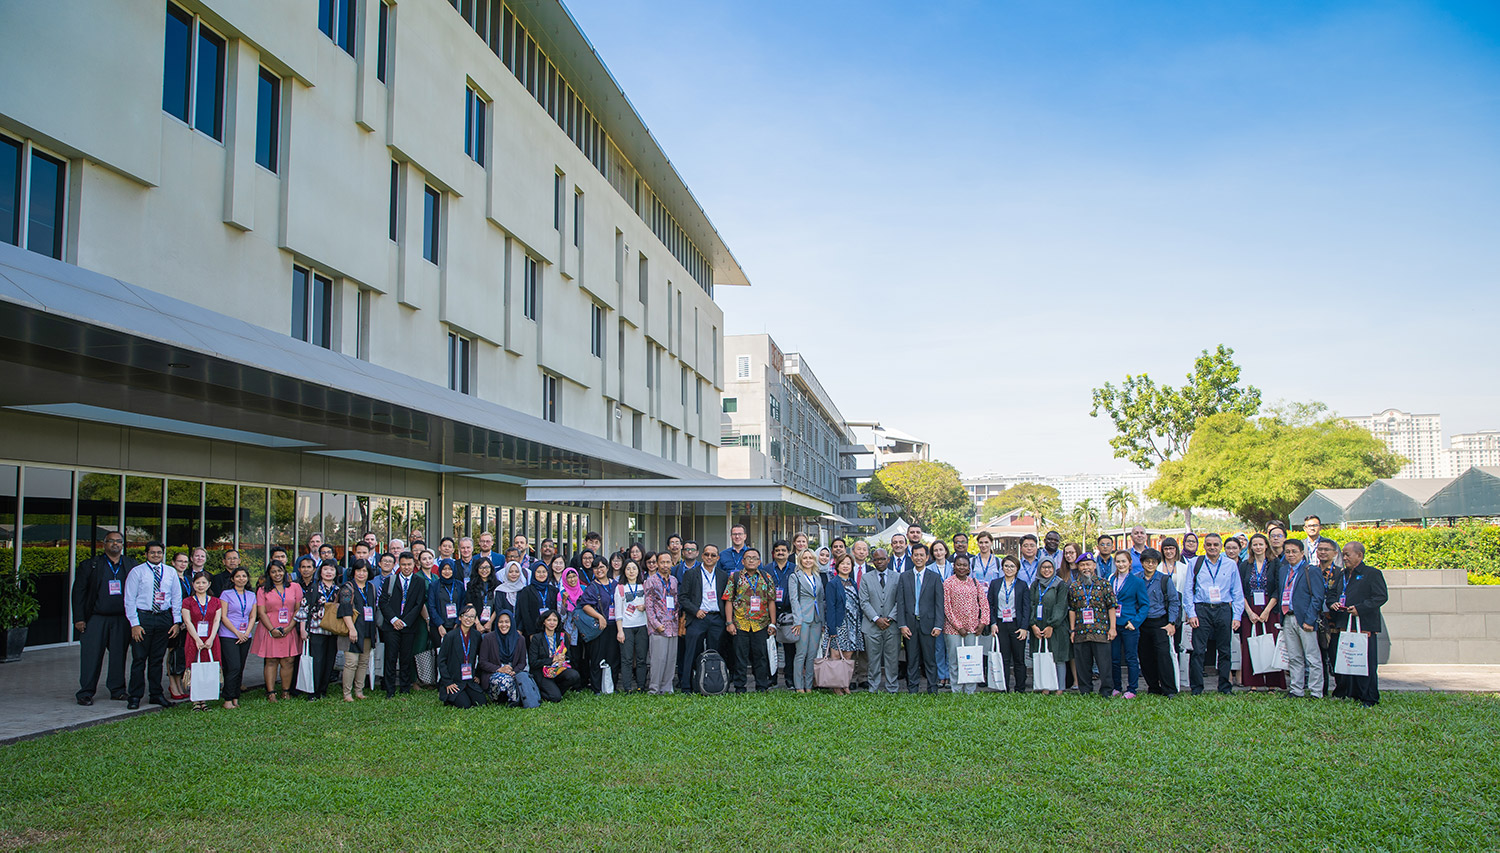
{"points": [[967, 214]]}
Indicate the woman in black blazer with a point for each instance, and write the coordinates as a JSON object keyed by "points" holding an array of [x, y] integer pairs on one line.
{"points": [[458, 663], [548, 655], [1010, 620], [536, 598]]}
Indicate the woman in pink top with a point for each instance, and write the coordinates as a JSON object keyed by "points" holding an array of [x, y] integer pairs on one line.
{"points": [[235, 631], [278, 641], [966, 610], [200, 622]]}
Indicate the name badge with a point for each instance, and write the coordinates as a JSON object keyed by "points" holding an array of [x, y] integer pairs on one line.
{"points": [[778, 595], [465, 672], [1008, 614], [114, 588], [754, 605], [1342, 602], [1117, 611], [203, 629], [484, 615], [1260, 599], [1088, 616], [611, 616], [369, 614], [671, 602], [1038, 611], [161, 598], [452, 611], [1215, 595], [283, 616]]}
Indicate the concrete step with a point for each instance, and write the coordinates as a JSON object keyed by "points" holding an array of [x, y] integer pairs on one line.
{"points": [[1443, 599], [1426, 577], [1442, 651]]}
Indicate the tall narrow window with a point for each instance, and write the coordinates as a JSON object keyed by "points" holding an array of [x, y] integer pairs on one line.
{"points": [[474, 118], [312, 307], [337, 19], [458, 363], [193, 73], [208, 108], [557, 201], [362, 325], [431, 211], [684, 385], [642, 279], [596, 330], [268, 120], [549, 398], [10, 191], [742, 367], [177, 74], [577, 217], [383, 43], [395, 199], [529, 288], [44, 209]]}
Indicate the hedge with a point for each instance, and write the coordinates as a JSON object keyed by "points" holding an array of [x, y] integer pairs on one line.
{"points": [[1471, 546]]}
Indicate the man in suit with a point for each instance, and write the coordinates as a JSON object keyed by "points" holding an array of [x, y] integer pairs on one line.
{"points": [[921, 615], [900, 560], [702, 605], [1358, 595], [402, 606], [99, 607], [1301, 598], [879, 603]]}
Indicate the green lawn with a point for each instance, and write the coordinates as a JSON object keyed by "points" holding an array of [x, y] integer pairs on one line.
{"points": [[778, 772]]}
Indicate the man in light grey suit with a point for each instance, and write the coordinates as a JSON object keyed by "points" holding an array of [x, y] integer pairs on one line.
{"points": [[879, 602], [921, 615]]}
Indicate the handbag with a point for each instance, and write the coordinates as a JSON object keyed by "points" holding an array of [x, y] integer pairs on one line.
{"points": [[426, 667], [606, 679], [1353, 652], [996, 679], [1044, 668], [305, 669], [970, 665], [1281, 659], [331, 621], [588, 627], [205, 686], [833, 673], [773, 651], [1262, 650]]}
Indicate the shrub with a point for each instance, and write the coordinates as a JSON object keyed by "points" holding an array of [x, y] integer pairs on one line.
{"points": [[1471, 546]]}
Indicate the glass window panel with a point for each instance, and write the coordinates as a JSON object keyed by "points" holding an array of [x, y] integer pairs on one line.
{"points": [[219, 522], [46, 541], [490, 513], [10, 191], [178, 63], [334, 522], [283, 522], [380, 519], [268, 120], [143, 496], [184, 515], [98, 511], [459, 517], [299, 303], [252, 528], [417, 519], [208, 105], [309, 521], [9, 475], [44, 229], [359, 518]]}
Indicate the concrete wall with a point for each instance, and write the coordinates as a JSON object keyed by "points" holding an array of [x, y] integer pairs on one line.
{"points": [[1434, 617]]}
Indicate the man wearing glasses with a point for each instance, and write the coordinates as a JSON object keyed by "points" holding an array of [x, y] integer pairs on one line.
{"points": [[99, 607]]}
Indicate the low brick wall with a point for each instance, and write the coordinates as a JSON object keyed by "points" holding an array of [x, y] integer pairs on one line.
{"points": [[1435, 617]]}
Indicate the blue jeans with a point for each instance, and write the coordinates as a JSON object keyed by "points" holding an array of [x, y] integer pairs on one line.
{"points": [[1127, 643]]}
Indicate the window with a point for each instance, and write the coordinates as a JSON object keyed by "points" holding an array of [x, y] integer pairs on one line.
{"points": [[557, 201], [577, 217], [268, 120], [395, 197], [312, 308], [684, 372], [731, 405], [474, 115], [642, 277], [596, 331], [362, 325], [193, 73], [619, 257], [549, 398], [742, 367], [775, 406], [714, 338], [32, 187], [337, 19], [431, 211], [458, 363], [529, 289], [698, 390], [383, 44]]}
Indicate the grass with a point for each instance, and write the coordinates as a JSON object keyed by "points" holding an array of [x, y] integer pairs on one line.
{"points": [[771, 772]]}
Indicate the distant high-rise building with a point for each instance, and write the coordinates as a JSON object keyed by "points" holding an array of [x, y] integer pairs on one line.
{"points": [[1469, 449], [1417, 437]]}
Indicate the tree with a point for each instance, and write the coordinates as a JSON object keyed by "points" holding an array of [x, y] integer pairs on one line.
{"points": [[1155, 423], [1120, 499], [1261, 469], [1035, 498], [947, 522], [920, 489], [1084, 514]]}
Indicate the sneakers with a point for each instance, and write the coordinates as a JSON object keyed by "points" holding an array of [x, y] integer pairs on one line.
{"points": [[1116, 695], [1129, 695]]}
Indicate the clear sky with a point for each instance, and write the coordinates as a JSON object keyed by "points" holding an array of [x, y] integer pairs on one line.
{"points": [[967, 214]]}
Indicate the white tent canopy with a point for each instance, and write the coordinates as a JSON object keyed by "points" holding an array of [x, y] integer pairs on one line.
{"points": [[897, 526]]}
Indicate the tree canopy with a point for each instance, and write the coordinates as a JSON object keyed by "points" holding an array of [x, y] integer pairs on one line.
{"points": [[1260, 469], [1037, 499], [920, 489]]}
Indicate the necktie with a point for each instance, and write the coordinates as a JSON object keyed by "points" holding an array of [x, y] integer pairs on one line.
{"points": [[155, 573], [882, 580]]}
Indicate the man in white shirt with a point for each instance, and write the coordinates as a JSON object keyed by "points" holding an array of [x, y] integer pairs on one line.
{"points": [[153, 606]]}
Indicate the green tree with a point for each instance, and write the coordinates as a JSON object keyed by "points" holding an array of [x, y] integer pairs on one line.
{"points": [[1154, 423], [920, 489], [1260, 469], [1084, 514], [946, 522], [1037, 499], [1120, 499]]}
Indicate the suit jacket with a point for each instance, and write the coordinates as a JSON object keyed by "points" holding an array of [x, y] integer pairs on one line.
{"points": [[691, 590], [1363, 589], [1307, 592], [921, 616], [806, 603], [1025, 613], [875, 601], [92, 580], [450, 657], [416, 600]]}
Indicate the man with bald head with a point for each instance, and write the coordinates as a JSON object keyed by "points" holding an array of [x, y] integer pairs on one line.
{"points": [[879, 601]]}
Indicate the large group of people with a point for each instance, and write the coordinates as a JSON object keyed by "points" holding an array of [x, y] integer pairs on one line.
{"points": [[524, 626]]}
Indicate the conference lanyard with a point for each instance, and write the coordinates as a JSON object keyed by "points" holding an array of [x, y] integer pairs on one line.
{"points": [[1046, 588], [244, 606], [1008, 591], [1119, 582], [1258, 580], [986, 566], [465, 642], [364, 602], [114, 568]]}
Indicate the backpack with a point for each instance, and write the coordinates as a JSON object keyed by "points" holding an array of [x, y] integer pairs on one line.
{"points": [[526, 691], [712, 677]]}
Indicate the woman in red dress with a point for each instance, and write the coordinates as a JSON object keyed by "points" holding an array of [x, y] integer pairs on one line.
{"points": [[201, 613]]}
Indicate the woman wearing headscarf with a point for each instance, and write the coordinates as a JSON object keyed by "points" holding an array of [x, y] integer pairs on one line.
{"points": [[538, 596], [458, 659], [1050, 619], [567, 608], [502, 660], [507, 594], [445, 601], [481, 589], [825, 562]]}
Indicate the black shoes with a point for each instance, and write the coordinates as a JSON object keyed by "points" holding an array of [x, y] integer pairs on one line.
{"points": [[118, 697], [85, 700], [132, 704], [163, 701]]}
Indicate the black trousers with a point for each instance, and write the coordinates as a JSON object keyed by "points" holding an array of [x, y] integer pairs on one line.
{"points": [[552, 689], [1365, 688], [469, 695], [1013, 652], [1212, 634], [921, 657], [232, 656], [789, 650], [324, 648], [101, 634], [400, 659], [604, 649], [750, 652], [710, 630], [1156, 652], [148, 653], [1089, 655], [633, 654]]}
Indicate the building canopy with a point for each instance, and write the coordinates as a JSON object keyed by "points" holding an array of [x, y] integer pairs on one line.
{"points": [[1473, 494], [1329, 505]]}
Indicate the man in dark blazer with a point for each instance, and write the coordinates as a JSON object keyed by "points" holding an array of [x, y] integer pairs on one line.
{"points": [[1358, 594], [402, 604], [921, 617], [99, 607], [702, 606]]}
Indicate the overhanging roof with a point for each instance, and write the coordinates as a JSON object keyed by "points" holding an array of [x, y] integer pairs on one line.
{"points": [[703, 490], [1329, 505], [1473, 494], [1394, 500]]}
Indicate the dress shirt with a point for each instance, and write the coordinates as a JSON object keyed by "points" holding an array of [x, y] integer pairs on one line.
{"points": [[1055, 556], [710, 602], [1157, 604], [141, 587], [1029, 569], [1223, 574], [732, 560], [985, 571]]}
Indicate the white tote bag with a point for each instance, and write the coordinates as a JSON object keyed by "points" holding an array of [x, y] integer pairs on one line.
{"points": [[1281, 660], [305, 669], [606, 679], [1262, 650], [1044, 668], [773, 650], [1183, 660], [970, 665], [1354, 651], [205, 686], [996, 669], [377, 663]]}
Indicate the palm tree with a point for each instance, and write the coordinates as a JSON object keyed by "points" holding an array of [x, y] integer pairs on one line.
{"points": [[1120, 500], [1084, 513], [1039, 508]]}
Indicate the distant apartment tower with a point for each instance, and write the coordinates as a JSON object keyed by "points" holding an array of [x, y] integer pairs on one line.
{"points": [[1417, 437], [1473, 449]]}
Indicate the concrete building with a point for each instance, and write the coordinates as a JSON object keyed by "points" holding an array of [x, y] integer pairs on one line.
{"points": [[780, 424], [1072, 489], [1472, 450], [289, 267], [1417, 437]]}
